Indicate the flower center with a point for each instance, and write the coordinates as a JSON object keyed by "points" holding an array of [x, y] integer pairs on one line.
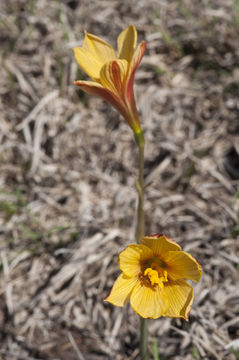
{"points": [[156, 275]]}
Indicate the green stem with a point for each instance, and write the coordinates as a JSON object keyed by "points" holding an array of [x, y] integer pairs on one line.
{"points": [[140, 186], [139, 235], [143, 339]]}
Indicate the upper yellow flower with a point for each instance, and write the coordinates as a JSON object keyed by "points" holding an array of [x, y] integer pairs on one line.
{"points": [[112, 74], [152, 278]]}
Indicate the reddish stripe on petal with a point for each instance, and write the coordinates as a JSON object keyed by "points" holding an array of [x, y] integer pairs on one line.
{"points": [[106, 94], [139, 53], [113, 75], [116, 76]]}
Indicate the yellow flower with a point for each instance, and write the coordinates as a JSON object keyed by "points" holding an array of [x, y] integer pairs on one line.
{"points": [[152, 278], [112, 74]]}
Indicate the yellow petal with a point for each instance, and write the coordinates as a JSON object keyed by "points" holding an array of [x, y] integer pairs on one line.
{"points": [[100, 49], [148, 302], [160, 244], [113, 75], [121, 290], [127, 41], [96, 89], [130, 259], [89, 63], [180, 297], [181, 265]]}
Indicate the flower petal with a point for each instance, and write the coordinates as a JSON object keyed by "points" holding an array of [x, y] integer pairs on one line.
{"points": [[113, 75], [127, 41], [148, 302], [180, 297], [96, 89], [130, 259], [181, 265], [100, 49], [160, 244], [121, 290], [89, 63], [139, 53]]}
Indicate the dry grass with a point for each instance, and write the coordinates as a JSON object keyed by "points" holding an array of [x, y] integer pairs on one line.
{"points": [[68, 164]]}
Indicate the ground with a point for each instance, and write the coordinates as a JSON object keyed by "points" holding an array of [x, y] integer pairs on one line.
{"points": [[68, 166]]}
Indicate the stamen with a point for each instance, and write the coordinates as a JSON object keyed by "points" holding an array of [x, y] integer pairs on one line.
{"points": [[156, 275]]}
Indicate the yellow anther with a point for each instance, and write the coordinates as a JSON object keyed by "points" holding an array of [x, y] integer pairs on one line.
{"points": [[154, 277], [147, 271]]}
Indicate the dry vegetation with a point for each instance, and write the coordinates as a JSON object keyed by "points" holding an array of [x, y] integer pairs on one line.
{"points": [[68, 164]]}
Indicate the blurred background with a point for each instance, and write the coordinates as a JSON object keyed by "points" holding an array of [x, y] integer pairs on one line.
{"points": [[68, 164]]}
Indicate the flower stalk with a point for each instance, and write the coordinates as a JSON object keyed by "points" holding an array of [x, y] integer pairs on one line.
{"points": [[140, 231], [144, 339], [140, 187]]}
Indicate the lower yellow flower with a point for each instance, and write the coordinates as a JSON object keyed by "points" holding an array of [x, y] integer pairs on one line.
{"points": [[152, 278]]}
